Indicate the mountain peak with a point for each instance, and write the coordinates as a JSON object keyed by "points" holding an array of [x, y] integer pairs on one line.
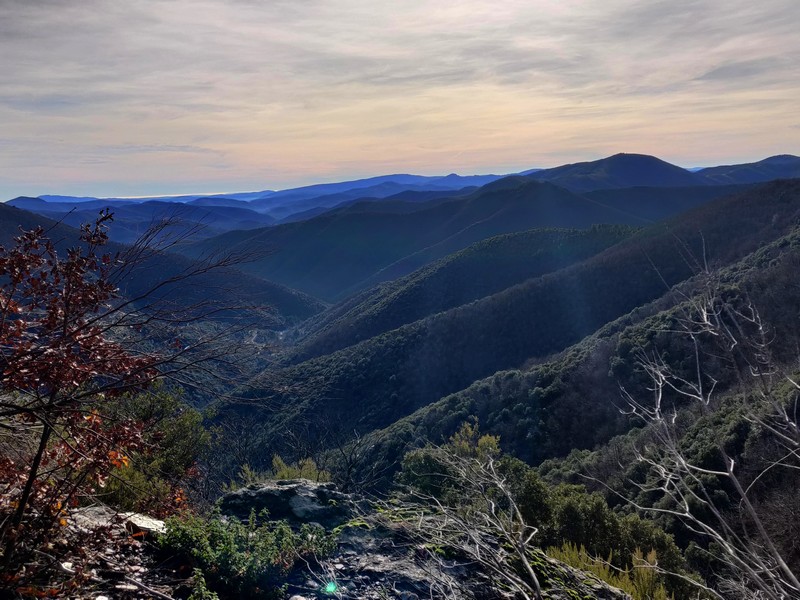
{"points": [[620, 155], [618, 171]]}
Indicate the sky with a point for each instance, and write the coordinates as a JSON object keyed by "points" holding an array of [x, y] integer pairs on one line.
{"points": [[150, 97]]}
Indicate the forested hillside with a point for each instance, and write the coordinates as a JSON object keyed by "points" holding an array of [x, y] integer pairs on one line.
{"points": [[574, 400], [332, 255], [382, 379], [336, 254]]}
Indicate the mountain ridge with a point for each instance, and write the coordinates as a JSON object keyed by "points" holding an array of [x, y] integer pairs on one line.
{"points": [[781, 166], [333, 255], [587, 170], [484, 268], [288, 306]]}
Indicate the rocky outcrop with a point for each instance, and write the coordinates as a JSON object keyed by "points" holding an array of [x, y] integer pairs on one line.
{"points": [[378, 564], [377, 561], [294, 500], [379, 558]]}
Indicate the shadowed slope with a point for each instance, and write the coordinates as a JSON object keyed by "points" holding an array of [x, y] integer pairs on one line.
{"points": [[336, 254]]}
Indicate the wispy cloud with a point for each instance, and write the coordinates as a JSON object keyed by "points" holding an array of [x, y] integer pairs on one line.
{"points": [[167, 96]]}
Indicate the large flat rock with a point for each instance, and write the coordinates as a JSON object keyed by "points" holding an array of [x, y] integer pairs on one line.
{"points": [[294, 500]]}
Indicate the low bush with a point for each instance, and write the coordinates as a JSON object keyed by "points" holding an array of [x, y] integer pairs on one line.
{"points": [[242, 559]]}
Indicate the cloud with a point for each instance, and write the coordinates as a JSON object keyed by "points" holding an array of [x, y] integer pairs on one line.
{"points": [[747, 69], [157, 148], [295, 89]]}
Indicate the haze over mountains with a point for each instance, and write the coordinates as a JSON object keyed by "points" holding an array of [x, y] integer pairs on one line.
{"points": [[618, 171], [326, 256], [332, 240], [392, 251], [398, 248], [282, 306]]}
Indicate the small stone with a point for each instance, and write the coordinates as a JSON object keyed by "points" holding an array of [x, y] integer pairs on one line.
{"points": [[136, 523]]}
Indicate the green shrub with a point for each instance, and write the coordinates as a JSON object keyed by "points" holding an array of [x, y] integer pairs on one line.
{"points": [[422, 469], [242, 560], [200, 590], [564, 515], [152, 478]]}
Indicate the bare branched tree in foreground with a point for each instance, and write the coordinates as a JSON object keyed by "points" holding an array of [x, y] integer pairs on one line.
{"points": [[486, 525], [727, 340]]}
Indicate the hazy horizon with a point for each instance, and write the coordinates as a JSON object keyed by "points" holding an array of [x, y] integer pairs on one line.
{"points": [[157, 97], [312, 182]]}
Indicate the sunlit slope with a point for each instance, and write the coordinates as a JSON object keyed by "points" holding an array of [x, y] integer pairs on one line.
{"points": [[480, 270]]}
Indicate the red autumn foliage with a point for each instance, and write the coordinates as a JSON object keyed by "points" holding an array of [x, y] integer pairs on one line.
{"points": [[52, 338], [60, 360]]}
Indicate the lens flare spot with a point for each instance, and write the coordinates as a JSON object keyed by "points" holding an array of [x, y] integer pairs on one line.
{"points": [[330, 587]]}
